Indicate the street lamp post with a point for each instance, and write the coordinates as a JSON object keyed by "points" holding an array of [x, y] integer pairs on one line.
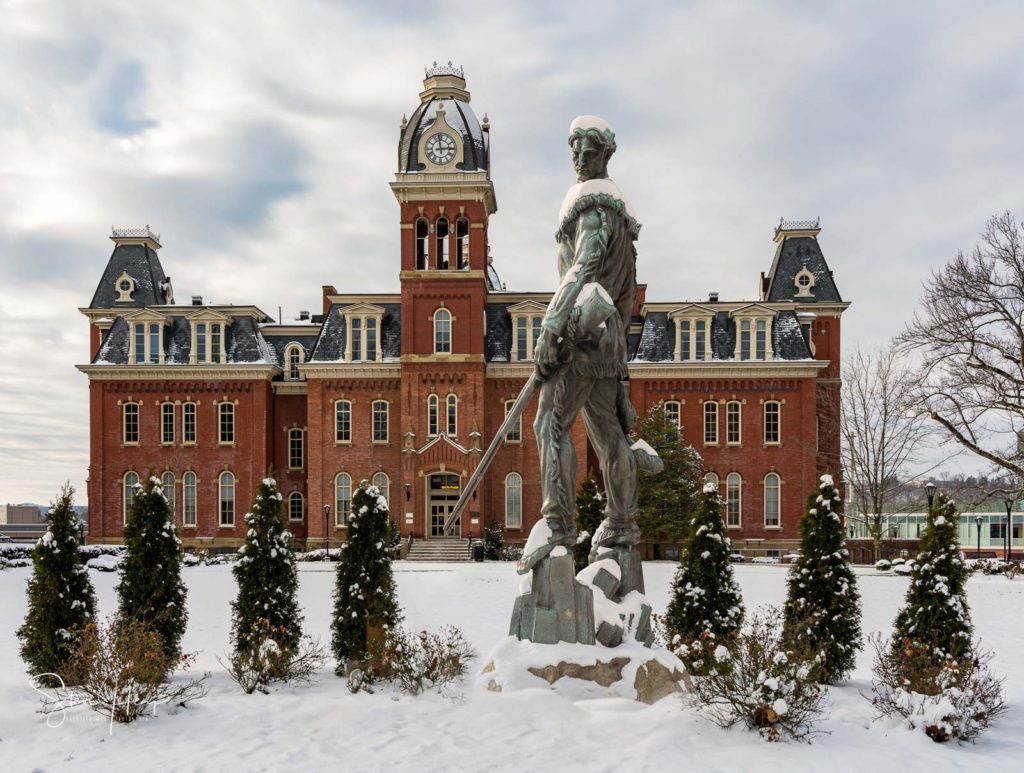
{"points": [[327, 539], [929, 490], [978, 519], [1009, 508]]}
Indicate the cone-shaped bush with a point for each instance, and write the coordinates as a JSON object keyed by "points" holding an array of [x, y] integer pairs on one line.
{"points": [[706, 605], [151, 589], [365, 600], [268, 581], [935, 617], [589, 514], [822, 611], [60, 595]]}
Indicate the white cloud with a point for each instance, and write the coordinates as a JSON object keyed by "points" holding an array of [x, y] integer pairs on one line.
{"points": [[259, 140]]}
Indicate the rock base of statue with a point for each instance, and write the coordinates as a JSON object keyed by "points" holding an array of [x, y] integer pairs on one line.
{"points": [[604, 603], [580, 672], [552, 606]]}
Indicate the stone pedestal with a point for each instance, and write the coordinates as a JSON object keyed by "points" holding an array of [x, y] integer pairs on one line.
{"points": [[555, 607]]}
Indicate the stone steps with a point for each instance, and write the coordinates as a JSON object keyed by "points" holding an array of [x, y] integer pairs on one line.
{"points": [[442, 549]]}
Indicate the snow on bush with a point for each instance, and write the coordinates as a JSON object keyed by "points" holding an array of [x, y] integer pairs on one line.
{"points": [[415, 662], [951, 700], [883, 565], [905, 568], [754, 679]]}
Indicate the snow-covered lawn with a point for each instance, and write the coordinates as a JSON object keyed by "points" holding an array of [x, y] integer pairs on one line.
{"points": [[324, 727]]}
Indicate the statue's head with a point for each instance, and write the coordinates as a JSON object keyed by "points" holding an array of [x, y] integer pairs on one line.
{"points": [[593, 142]]}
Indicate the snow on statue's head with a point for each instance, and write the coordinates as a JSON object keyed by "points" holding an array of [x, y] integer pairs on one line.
{"points": [[593, 143]]}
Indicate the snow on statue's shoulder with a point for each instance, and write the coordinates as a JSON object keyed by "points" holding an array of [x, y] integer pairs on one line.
{"points": [[603, 185]]}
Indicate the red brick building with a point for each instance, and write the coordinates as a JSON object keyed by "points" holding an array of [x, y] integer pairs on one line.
{"points": [[407, 388]]}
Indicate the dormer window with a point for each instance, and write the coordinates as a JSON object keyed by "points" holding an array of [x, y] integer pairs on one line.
{"points": [[294, 356], [145, 344], [693, 333], [527, 319], [753, 332], [124, 286], [804, 283], [209, 334], [362, 333]]}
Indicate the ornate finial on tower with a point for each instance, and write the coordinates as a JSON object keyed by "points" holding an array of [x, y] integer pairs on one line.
{"points": [[404, 122], [444, 69]]}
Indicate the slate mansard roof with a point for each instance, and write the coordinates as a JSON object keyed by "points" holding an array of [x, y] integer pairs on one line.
{"points": [[658, 338], [243, 342], [791, 256], [141, 263], [330, 347]]}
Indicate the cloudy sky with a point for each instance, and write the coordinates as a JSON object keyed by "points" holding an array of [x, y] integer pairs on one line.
{"points": [[259, 138]]}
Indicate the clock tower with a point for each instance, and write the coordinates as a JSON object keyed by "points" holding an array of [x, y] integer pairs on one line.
{"points": [[446, 197]]}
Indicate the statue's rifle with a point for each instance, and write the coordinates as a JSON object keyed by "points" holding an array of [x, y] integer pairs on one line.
{"points": [[593, 308]]}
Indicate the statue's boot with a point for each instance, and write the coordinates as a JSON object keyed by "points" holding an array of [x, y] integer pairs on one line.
{"points": [[613, 534], [545, 536], [646, 458]]}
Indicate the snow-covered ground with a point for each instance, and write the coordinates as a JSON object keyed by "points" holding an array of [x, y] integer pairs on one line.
{"points": [[324, 727]]}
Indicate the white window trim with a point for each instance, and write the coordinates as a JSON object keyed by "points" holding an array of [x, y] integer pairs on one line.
{"points": [[292, 347], [529, 319], [195, 423], [145, 321], [764, 423], [447, 415], [753, 319], [125, 507], [778, 501], [193, 356], [343, 522], [739, 422], [520, 486], [124, 423], [693, 318], [739, 502], [451, 331], [519, 424], [434, 404], [220, 417], [172, 500], [363, 317], [704, 423], [174, 424], [220, 500], [302, 508], [678, 406], [302, 448], [387, 421], [347, 442], [386, 488], [195, 498]]}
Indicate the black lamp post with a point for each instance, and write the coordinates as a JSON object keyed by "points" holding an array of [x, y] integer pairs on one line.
{"points": [[327, 538], [929, 490], [978, 519], [1009, 523]]}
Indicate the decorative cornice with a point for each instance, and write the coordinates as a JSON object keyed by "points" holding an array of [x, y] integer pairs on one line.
{"points": [[290, 387], [509, 369], [239, 372], [350, 370], [728, 369], [434, 274], [441, 359]]}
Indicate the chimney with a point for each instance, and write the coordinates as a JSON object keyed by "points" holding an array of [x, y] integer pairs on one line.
{"points": [[303, 316], [712, 297], [328, 290], [197, 300]]}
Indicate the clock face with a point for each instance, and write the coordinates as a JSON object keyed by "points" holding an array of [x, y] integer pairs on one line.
{"points": [[441, 148]]}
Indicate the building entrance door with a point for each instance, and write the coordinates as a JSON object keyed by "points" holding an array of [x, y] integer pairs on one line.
{"points": [[442, 494]]}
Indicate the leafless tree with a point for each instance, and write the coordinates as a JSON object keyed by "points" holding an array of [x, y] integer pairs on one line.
{"points": [[884, 435], [969, 332]]}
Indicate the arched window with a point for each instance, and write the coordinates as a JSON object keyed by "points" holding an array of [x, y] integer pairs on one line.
{"points": [[296, 455], [131, 483], [167, 484], [771, 499], [422, 230], [296, 506], [710, 423], [343, 421], [452, 416], [188, 424], [383, 484], [226, 411], [188, 499], [380, 421], [442, 331], [130, 412], [342, 498], [441, 233], [462, 243], [513, 501], [167, 424], [294, 356], [733, 494], [711, 478], [733, 414], [227, 499], [432, 419], [672, 412]]}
